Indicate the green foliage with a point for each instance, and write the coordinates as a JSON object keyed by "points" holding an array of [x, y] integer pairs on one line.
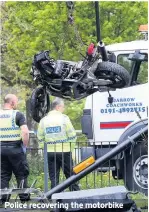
{"points": [[36, 165], [29, 27], [75, 110]]}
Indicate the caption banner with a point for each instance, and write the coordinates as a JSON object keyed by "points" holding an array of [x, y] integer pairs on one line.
{"points": [[65, 206]]}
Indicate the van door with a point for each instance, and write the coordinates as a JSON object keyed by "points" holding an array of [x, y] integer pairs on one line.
{"points": [[111, 120]]}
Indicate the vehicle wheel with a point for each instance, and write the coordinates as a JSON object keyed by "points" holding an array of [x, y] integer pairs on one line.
{"points": [[136, 177], [39, 104], [113, 72]]}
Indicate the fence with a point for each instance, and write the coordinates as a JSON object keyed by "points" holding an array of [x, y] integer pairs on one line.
{"points": [[129, 167]]}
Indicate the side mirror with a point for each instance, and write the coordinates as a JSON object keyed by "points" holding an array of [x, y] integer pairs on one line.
{"points": [[111, 57], [137, 56]]}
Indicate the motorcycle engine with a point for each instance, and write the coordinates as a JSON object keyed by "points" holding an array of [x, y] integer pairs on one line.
{"points": [[62, 69]]}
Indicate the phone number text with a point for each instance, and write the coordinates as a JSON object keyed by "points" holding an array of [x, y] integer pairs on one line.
{"points": [[123, 110]]}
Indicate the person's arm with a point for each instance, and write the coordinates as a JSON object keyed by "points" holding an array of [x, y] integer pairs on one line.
{"points": [[21, 122], [41, 134], [25, 134]]}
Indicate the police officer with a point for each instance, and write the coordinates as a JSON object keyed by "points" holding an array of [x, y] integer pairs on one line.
{"points": [[56, 129], [13, 135]]}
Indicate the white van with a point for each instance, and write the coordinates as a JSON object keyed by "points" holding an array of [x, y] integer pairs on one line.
{"points": [[110, 118]]}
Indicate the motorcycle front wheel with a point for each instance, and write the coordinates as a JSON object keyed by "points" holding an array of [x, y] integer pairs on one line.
{"points": [[117, 74], [39, 104]]}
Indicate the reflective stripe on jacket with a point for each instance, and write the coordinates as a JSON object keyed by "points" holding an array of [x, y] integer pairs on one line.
{"points": [[56, 129], [9, 131]]}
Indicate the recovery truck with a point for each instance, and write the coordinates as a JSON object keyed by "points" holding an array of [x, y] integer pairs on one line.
{"points": [[110, 118]]}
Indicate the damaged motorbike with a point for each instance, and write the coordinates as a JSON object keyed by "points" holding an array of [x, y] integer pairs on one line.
{"points": [[73, 81]]}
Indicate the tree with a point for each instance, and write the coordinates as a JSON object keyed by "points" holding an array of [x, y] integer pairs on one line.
{"points": [[29, 27]]}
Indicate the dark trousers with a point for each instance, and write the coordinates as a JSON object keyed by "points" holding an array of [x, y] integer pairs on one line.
{"points": [[13, 160], [57, 160]]}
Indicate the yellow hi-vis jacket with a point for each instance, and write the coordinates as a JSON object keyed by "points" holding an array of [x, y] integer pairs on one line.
{"points": [[56, 129], [9, 131]]}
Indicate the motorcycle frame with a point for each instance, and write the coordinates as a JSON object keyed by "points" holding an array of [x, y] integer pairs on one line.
{"points": [[73, 83]]}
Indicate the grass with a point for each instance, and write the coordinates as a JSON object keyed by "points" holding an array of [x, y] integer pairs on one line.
{"points": [[98, 180]]}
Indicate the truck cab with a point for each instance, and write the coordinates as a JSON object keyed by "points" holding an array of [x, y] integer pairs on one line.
{"points": [[108, 116], [111, 119]]}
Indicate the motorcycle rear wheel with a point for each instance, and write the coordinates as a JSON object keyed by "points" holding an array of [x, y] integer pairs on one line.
{"points": [[39, 104], [113, 72]]}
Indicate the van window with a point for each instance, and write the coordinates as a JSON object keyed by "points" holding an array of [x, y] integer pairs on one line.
{"points": [[142, 77], [143, 73], [122, 59]]}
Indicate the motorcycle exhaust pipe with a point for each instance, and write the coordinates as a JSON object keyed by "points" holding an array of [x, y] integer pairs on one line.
{"points": [[102, 50]]}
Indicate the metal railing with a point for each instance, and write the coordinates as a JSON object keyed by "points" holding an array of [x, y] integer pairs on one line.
{"points": [[129, 167]]}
